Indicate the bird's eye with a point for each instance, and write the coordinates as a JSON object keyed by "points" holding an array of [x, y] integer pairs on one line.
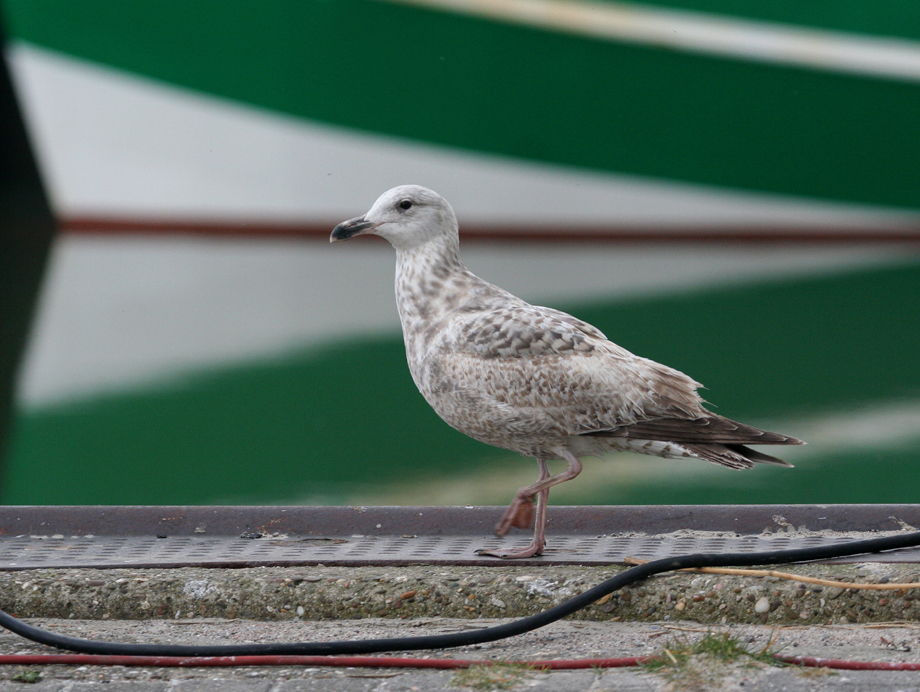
{"points": [[405, 204]]}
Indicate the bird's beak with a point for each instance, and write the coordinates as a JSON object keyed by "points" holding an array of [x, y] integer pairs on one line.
{"points": [[351, 228]]}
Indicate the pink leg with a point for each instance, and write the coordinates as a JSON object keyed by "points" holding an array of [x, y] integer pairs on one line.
{"points": [[518, 509]]}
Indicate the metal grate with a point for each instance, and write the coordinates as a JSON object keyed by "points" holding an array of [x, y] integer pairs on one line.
{"points": [[99, 537], [120, 551]]}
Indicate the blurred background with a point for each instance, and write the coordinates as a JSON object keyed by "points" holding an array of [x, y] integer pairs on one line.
{"points": [[731, 188]]}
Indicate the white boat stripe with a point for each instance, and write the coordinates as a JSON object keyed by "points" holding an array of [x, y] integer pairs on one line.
{"points": [[164, 153]]}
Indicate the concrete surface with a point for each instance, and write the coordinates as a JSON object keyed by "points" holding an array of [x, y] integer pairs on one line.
{"points": [[317, 593]]}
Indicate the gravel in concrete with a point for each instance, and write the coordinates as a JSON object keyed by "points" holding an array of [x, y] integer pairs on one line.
{"points": [[316, 593]]}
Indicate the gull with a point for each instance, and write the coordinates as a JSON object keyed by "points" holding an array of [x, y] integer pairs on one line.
{"points": [[531, 379]]}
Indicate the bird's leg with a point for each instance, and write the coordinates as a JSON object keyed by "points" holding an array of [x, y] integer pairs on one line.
{"points": [[525, 497], [520, 513]]}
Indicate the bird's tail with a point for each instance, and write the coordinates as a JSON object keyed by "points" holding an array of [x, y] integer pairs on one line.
{"points": [[734, 456]]}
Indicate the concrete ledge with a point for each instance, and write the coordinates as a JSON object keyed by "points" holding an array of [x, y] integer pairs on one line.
{"points": [[319, 593]]}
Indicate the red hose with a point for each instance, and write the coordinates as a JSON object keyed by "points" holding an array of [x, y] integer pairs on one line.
{"points": [[841, 664], [336, 661], [390, 662]]}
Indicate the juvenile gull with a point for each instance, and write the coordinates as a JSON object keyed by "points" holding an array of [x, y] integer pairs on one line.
{"points": [[532, 379]]}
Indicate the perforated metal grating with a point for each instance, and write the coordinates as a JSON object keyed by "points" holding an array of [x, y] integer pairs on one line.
{"points": [[32, 537]]}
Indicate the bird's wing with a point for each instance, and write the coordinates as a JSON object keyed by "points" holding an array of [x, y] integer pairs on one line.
{"points": [[711, 429], [519, 330], [571, 321], [545, 364]]}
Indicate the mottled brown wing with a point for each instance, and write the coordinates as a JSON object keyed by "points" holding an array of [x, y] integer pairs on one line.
{"points": [[546, 364], [522, 332], [581, 325]]}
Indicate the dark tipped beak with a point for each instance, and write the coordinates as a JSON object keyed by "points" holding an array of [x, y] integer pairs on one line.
{"points": [[351, 228]]}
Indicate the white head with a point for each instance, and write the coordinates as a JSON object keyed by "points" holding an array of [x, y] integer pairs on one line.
{"points": [[408, 216]]}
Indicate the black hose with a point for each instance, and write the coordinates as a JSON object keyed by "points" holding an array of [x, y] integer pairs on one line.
{"points": [[466, 638]]}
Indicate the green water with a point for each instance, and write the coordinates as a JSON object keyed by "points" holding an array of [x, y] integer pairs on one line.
{"points": [[314, 426]]}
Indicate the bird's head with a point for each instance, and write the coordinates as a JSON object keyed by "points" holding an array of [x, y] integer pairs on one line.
{"points": [[407, 216]]}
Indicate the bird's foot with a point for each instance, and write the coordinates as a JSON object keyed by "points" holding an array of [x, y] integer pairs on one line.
{"points": [[533, 550], [520, 515]]}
